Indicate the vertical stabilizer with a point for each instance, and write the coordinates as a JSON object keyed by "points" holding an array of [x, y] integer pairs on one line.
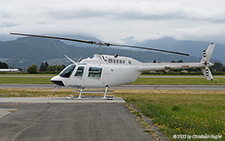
{"points": [[208, 54]]}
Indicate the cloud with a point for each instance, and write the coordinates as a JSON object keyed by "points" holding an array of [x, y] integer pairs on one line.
{"points": [[114, 20], [8, 25], [114, 10], [126, 10]]}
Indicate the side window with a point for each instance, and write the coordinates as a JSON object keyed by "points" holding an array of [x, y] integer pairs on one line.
{"points": [[80, 71], [110, 60], [95, 72]]}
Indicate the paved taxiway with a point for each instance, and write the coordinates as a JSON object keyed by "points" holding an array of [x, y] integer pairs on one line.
{"points": [[142, 76], [69, 121], [87, 99], [144, 87]]}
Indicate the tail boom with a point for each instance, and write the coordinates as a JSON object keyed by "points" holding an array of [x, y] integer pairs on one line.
{"points": [[204, 64]]}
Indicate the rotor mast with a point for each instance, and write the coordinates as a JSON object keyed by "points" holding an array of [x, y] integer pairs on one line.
{"points": [[100, 49]]}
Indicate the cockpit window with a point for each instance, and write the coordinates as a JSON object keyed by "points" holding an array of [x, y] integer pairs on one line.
{"points": [[80, 71], [95, 72], [67, 71]]}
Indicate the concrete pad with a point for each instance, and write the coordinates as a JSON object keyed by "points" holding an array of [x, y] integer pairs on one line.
{"points": [[4, 112], [71, 122], [144, 87], [95, 99]]}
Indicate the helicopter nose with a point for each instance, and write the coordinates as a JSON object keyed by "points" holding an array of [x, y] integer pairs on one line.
{"points": [[57, 80]]}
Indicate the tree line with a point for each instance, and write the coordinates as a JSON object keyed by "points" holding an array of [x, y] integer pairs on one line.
{"points": [[3, 65], [217, 68], [45, 68]]}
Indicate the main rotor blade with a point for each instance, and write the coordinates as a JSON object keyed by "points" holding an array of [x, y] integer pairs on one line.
{"points": [[53, 37], [99, 43], [167, 51]]}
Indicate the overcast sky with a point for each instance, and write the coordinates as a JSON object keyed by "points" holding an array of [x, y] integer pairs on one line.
{"points": [[113, 20]]}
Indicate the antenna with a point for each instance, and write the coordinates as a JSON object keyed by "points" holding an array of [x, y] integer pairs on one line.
{"points": [[100, 49]]}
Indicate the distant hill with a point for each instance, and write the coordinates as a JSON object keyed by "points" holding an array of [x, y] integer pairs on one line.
{"points": [[23, 52], [194, 48]]}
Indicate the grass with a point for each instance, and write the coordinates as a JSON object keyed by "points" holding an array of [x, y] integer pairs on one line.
{"points": [[179, 81], [180, 112], [25, 74], [139, 81], [25, 80], [190, 112]]}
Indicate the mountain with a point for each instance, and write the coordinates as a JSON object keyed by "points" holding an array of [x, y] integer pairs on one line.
{"points": [[26, 51], [23, 52], [194, 48]]}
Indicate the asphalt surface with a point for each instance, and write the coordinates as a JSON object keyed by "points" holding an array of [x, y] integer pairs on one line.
{"points": [[172, 87], [70, 122], [178, 76], [86, 99], [142, 76], [144, 87]]}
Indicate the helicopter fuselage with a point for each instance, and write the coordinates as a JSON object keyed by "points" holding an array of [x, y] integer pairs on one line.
{"points": [[99, 71], [107, 70]]}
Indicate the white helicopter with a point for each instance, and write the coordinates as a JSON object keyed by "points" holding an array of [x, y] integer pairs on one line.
{"points": [[104, 71]]}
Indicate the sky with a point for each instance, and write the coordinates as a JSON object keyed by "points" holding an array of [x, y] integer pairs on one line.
{"points": [[116, 20]]}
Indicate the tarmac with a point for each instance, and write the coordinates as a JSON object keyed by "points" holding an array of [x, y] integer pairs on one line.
{"points": [[144, 87], [57, 119], [87, 99]]}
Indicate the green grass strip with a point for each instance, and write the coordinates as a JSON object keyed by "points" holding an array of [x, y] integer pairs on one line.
{"points": [[25, 80], [184, 114], [139, 81], [178, 81]]}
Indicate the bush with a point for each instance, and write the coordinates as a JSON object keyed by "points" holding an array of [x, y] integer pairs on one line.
{"points": [[32, 69]]}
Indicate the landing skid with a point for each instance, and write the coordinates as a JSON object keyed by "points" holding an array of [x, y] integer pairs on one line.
{"points": [[81, 94], [71, 97], [110, 97]]}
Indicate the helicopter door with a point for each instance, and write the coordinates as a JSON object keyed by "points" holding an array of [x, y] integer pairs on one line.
{"points": [[94, 77], [79, 75], [106, 73]]}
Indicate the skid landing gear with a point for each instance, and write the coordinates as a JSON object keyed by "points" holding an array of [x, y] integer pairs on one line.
{"points": [[81, 94], [105, 95]]}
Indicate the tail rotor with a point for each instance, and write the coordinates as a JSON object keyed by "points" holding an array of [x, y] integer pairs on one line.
{"points": [[207, 54]]}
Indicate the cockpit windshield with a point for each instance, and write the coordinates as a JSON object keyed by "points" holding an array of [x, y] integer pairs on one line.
{"points": [[67, 71]]}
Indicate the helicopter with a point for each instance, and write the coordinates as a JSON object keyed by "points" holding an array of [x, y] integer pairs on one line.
{"points": [[104, 71]]}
